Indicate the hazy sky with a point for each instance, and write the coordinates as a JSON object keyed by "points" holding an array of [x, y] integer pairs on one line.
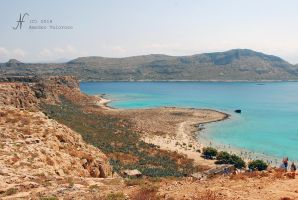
{"points": [[118, 28]]}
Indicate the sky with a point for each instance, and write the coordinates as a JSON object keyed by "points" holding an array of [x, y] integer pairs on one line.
{"points": [[118, 28]]}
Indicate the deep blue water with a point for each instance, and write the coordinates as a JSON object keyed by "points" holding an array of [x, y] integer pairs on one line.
{"points": [[268, 123]]}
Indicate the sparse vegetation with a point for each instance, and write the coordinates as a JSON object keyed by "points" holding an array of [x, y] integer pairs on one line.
{"points": [[148, 192], [227, 65], [94, 187], [116, 196], [134, 181], [209, 152], [224, 157], [70, 182], [257, 165], [115, 137], [208, 195], [11, 191], [49, 198]]}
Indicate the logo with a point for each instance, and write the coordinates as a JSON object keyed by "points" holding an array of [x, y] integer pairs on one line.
{"points": [[33, 23], [20, 21]]}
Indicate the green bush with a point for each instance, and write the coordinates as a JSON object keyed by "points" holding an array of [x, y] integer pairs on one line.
{"points": [[237, 161], [209, 152], [258, 164], [224, 157]]}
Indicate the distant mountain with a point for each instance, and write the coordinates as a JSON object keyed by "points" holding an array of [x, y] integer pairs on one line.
{"points": [[237, 64], [13, 61]]}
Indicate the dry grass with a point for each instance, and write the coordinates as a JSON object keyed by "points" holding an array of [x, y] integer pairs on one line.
{"points": [[125, 158], [133, 182], [3, 114], [27, 131], [11, 191], [147, 192], [278, 174], [25, 121], [11, 120], [49, 161], [15, 159], [208, 195], [115, 196], [236, 177], [290, 175], [245, 175]]}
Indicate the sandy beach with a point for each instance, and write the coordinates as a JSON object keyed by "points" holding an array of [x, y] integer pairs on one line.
{"points": [[170, 128], [181, 130]]}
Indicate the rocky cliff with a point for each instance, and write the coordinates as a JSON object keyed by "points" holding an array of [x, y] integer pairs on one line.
{"points": [[34, 148], [29, 92]]}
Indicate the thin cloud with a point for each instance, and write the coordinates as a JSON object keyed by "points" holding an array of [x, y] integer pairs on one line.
{"points": [[6, 54], [48, 54]]}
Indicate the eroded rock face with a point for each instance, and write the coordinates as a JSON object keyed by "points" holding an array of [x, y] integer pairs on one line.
{"points": [[18, 95], [28, 92], [67, 81], [35, 149], [34, 145]]}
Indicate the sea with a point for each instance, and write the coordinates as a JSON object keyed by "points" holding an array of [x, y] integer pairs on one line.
{"points": [[267, 126]]}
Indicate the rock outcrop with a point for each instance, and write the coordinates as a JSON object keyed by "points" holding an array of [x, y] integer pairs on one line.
{"points": [[29, 92], [42, 146], [35, 148]]}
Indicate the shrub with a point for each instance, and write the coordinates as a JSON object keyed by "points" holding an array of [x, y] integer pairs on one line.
{"points": [[49, 198], [258, 164], [94, 187], [209, 152], [237, 161], [11, 191], [116, 196], [224, 157]]}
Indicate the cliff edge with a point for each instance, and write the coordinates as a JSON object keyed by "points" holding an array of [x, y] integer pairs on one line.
{"points": [[35, 148]]}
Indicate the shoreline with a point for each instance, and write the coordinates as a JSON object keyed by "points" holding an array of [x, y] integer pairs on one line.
{"points": [[203, 81], [187, 139], [103, 102], [183, 140], [246, 154]]}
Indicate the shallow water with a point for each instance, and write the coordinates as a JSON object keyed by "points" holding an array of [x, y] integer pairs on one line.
{"points": [[268, 123]]}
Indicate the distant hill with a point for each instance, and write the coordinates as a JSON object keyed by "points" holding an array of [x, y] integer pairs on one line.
{"points": [[237, 64], [13, 61]]}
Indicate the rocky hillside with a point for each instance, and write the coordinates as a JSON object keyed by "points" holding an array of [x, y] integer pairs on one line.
{"points": [[237, 64], [42, 158], [35, 149], [29, 92]]}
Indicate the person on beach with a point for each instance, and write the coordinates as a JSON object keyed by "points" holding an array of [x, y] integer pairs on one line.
{"points": [[284, 164], [293, 167], [286, 160]]}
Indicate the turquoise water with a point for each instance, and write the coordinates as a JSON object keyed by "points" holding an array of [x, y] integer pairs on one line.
{"points": [[267, 125]]}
